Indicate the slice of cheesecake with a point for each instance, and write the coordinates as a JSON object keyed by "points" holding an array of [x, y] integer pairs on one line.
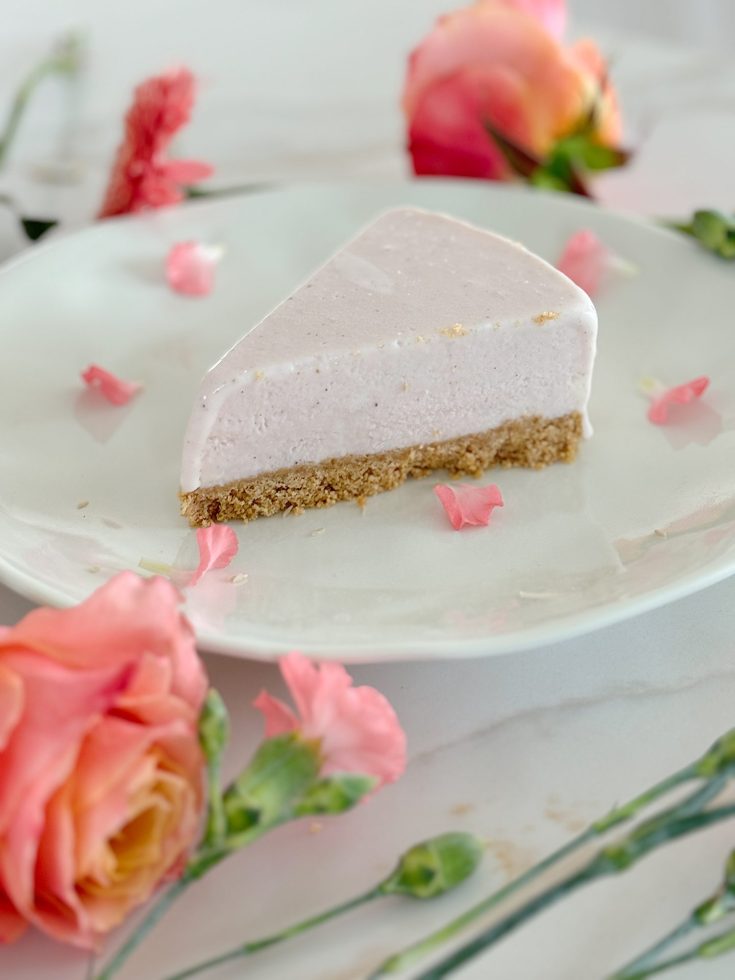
{"points": [[424, 344]]}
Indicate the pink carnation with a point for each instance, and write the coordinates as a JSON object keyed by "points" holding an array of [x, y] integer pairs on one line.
{"points": [[100, 765], [141, 175], [356, 727]]}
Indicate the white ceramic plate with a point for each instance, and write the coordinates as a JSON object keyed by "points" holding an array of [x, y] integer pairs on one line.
{"points": [[645, 515]]}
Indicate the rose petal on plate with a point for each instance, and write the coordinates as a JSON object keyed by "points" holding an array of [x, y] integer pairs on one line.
{"points": [[468, 505], [682, 394], [588, 262], [114, 389], [190, 267], [218, 545]]}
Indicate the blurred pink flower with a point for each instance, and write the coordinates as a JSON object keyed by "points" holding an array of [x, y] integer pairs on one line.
{"points": [[114, 389], [141, 175], [101, 771], [500, 63], [356, 727], [190, 267]]}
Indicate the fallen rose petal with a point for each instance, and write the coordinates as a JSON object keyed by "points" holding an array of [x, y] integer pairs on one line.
{"points": [[114, 389], [679, 395], [190, 267], [585, 260], [218, 545], [468, 505]]}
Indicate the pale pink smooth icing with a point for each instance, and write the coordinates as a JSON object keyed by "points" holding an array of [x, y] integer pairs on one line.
{"points": [[420, 329]]}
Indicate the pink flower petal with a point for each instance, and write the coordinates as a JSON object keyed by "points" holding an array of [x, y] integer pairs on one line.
{"points": [[114, 389], [551, 13], [218, 545], [356, 727], [679, 395], [187, 171], [190, 268], [468, 505], [585, 260], [278, 716]]}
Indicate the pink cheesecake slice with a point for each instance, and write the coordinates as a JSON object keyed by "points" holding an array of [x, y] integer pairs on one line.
{"points": [[424, 343]]}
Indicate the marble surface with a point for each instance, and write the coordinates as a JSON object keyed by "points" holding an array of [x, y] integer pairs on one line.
{"points": [[524, 749]]}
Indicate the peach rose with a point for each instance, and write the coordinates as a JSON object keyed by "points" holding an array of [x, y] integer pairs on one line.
{"points": [[101, 773], [500, 62]]}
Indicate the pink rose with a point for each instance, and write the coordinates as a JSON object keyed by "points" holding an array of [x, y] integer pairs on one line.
{"points": [[100, 767], [500, 63]]}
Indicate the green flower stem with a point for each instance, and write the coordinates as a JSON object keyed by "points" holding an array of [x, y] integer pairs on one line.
{"points": [[717, 946], [717, 907], [214, 733], [152, 917], [619, 857], [195, 193], [426, 870], [280, 779], [618, 815], [247, 949], [201, 862], [64, 59], [642, 964]]}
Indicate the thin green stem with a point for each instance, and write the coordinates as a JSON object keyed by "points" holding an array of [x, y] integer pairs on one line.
{"points": [[663, 965], [548, 897], [195, 193], [648, 958], [152, 917], [616, 816], [64, 58], [641, 841], [247, 949], [427, 945], [18, 107], [201, 862], [626, 812], [717, 946], [216, 820]]}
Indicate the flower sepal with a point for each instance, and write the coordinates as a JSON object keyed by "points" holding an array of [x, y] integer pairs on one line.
{"points": [[335, 794], [713, 230], [282, 771], [434, 866]]}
